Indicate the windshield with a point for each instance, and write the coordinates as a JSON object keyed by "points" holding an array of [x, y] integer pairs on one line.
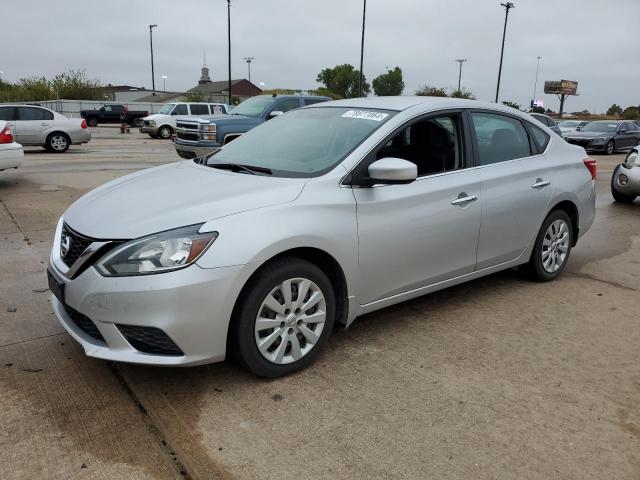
{"points": [[166, 110], [603, 126], [568, 124], [303, 143], [253, 107]]}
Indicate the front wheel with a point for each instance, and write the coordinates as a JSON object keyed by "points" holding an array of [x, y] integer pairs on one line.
{"points": [[619, 196], [165, 132], [284, 319], [553, 246], [610, 148]]}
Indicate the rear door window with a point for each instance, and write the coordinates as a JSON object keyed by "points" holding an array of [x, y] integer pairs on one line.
{"points": [[216, 109], [199, 109], [33, 113], [286, 105], [499, 138], [311, 101]]}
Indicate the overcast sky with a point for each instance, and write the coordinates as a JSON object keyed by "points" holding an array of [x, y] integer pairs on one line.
{"points": [[595, 42]]}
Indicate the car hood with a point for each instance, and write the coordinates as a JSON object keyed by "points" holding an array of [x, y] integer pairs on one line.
{"points": [[154, 116], [577, 134], [172, 196]]}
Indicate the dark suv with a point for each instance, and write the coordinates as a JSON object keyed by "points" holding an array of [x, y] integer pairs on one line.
{"points": [[198, 136]]}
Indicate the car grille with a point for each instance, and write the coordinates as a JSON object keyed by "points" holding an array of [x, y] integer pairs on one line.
{"points": [[78, 244], [84, 323], [583, 142], [192, 137], [150, 340], [188, 126]]}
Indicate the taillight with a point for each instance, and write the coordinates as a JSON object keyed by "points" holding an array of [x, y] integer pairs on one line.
{"points": [[83, 124], [590, 163], [6, 136]]}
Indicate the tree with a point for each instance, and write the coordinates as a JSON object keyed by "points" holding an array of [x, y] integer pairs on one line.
{"points": [[431, 91], [192, 97], [614, 110], [75, 85], [631, 113], [389, 84], [462, 93], [343, 80], [511, 104]]}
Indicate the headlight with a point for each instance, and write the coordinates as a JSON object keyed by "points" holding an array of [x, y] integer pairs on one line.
{"points": [[152, 123], [209, 136], [161, 252], [208, 127], [600, 139], [632, 159]]}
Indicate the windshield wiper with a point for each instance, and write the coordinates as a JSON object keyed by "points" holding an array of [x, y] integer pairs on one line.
{"points": [[237, 167]]}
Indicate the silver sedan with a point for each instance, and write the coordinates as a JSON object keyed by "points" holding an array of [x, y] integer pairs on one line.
{"points": [[625, 182], [311, 220]]}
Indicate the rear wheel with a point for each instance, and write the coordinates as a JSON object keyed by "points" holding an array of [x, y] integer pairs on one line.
{"points": [[610, 148], [92, 122], [552, 248], [58, 142], [285, 318], [619, 196], [165, 132]]}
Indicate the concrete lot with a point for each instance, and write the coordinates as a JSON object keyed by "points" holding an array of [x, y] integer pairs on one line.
{"points": [[497, 378]]}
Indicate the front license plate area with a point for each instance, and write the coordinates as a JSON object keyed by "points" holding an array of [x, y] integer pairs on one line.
{"points": [[57, 288]]}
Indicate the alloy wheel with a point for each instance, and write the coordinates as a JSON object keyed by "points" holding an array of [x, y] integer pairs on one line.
{"points": [[58, 143], [555, 246], [290, 321]]}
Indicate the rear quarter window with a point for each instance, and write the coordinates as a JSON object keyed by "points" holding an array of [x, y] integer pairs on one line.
{"points": [[540, 137]]}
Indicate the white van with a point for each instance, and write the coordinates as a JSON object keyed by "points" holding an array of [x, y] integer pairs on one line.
{"points": [[163, 123]]}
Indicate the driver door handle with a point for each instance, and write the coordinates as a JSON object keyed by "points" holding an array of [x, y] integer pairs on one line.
{"points": [[541, 183], [464, 200]]}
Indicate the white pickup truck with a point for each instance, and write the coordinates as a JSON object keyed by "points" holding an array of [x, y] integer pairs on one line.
{"points": [[163, 123]]}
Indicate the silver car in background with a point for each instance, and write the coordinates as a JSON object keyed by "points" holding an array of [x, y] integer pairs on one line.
{"points": [[625, 182], [310, 220], [38, 126]]}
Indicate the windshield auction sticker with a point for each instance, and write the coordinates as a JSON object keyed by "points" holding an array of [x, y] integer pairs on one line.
{"points": [[365, 115]]}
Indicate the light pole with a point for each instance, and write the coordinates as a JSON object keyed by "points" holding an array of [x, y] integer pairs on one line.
{"points": [[460, 61], [164, 83], [364, 16], [249, 60], [507, 6], [229, 44], [153, 77], [535, 84]]}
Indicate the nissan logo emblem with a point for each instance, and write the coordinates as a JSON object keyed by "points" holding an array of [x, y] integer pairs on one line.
{"points": [[65, 245]]}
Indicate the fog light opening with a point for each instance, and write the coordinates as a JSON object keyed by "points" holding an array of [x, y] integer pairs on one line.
{"points": [[623, 180]]}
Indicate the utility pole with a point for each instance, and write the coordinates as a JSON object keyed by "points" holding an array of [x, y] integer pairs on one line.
{"points": [[460, 61], [364, 16], [153, 76], [507, 6], [249, 60], [229, 44], [535, 85]]}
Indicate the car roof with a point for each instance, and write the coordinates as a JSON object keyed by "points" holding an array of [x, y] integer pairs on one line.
{"points": [[296, 96], [400, 103]]}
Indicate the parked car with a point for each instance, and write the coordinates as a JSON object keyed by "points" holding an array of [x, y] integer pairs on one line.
{"points": [[200, 136], [163, 123], [111, 114], [625, 182], [38, 126], [570, 126], [11, 152], [606, 136], [311, 219], [548, 121]]}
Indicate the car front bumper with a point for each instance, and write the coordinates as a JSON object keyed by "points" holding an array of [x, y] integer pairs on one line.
{"points": [[632, 184], [151, 130], [189, 151], [191, 306]]}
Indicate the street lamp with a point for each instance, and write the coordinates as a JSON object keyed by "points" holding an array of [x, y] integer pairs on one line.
{"points": [[164, 83], [249, 60], [535, 85], [460, 61], [507, 6], [364, 16], [229, 44], [153, 77]]}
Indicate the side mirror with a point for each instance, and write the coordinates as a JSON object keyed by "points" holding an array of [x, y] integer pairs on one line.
{"points": [[392, 171], [275, 113]]}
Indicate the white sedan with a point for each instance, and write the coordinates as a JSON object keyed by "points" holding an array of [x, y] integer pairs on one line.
{"points": [[11, 153]]}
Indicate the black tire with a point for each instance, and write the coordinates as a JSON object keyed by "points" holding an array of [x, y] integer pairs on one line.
{"points": [[610, 148], [535, 267], [618, 196], [58, 142], [243, 336], [165, 132], [92, 122]]}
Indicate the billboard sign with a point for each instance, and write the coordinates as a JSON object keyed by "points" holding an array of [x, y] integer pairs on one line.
{"points": [[561, 87]]}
